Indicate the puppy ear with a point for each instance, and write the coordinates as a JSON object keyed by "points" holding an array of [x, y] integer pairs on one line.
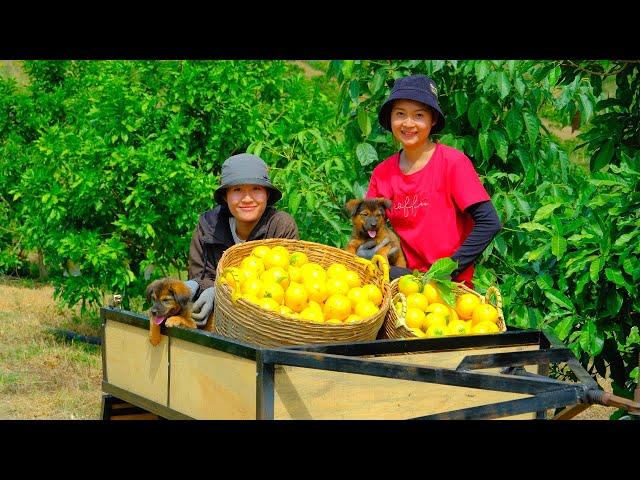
{"points": [[181, 293], [352, 206], [385, 202], [150, 289]]}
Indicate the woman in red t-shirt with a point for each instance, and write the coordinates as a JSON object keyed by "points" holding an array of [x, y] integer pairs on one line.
{"points": [[439, 207]]}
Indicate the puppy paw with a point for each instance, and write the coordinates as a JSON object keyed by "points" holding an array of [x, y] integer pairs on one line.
{"points": [[172, 322]]}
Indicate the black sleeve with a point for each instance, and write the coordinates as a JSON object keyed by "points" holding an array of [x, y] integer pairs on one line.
{"points": [[487, 225], [397, 272]]}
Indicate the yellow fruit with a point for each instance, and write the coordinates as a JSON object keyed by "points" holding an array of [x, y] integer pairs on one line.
{"points": [[253, 263], [365, 309], [418, 333], [333, 321], [437, 331], [313, 271], [458, 327], [260, 251], [273, 290], [453, 315], [253, 286], [295, 274], [336, 270], [276, 258], [352, 278], [356, 295], [353, 318], [295, 297], [297, 259], [431, 292], [439, 308], [312, 314], [408, 284], [233, 277], [484, 313], [373, 293], [269, 304], [485, 327], [284, 310], [317, 290], [417, 300], [337, 285], [337, 306], [315, 305], [282, 250], [276, 275], [431, 319], [250, 298], [465, 304], [414, 317]]}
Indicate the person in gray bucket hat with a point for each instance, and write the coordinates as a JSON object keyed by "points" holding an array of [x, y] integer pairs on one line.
{"points": [[244, 212], [439, 207]]}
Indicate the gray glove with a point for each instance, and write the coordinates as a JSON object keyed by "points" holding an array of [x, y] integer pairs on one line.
{"points": [[203, 306], [369, 248], [193, 286]]}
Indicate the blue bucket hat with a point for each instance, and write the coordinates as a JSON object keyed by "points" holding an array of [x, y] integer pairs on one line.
{"points": [[245, 169], [415, 87]]}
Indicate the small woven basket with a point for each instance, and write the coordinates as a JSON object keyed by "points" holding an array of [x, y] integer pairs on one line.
{"points": [[247, 322], [390, 330]]}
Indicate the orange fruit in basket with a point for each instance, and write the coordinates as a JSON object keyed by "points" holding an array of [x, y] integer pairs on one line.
{"points": [[253, 286], [252, 263], [438, 330], [365, 309], [295, 297], [353, 318], [485, 327], [484, 312], [337, 285], [277, 257], [273, 290], [295, 275], [260, 251], [414, 317], [431, 319], [458, 327], [316, 290], [276, 275], [373, 293], [297, 259], [336, 270], [352, 278], [232, 276], [453, 315], [439, 308], [269, 304], [337, 306], [431, 292], [466, 304], [312, 314], [417, 300], [313, 271], [408, 284], [357, 294], [418, 333]]}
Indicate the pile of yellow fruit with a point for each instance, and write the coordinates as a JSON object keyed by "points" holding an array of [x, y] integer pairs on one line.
{"points": [[427, 314], [288, 283]]}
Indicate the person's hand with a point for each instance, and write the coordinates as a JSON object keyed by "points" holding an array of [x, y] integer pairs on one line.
{"points": [[203, 306], [369, 248]]}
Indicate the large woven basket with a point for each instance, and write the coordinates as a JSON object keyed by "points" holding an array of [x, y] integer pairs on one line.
{"points": [[390, 330], [245, 321]]}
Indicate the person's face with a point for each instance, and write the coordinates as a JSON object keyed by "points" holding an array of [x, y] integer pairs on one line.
{"points": [[247, 202], [411, 122]]}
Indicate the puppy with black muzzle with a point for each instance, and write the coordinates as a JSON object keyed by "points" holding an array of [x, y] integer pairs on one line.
{"points": [[370, 227], [171, 305]]}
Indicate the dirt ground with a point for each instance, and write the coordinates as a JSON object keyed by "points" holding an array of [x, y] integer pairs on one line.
{"points": [[44, 378]]}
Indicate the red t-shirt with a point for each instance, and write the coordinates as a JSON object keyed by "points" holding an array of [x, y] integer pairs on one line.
{"points": [[427, 210]]}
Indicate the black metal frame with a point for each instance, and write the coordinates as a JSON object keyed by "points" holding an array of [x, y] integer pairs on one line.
{"points": [[546, 393]]}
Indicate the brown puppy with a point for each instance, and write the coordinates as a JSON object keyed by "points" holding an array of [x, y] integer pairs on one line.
{"points": [[171, 305], [370, 225]]}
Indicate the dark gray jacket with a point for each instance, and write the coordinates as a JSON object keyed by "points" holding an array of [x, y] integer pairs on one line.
{"points": [[213, 236]]}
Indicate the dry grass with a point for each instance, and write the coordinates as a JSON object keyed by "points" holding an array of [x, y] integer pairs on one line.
{"points": [[40, 376]]}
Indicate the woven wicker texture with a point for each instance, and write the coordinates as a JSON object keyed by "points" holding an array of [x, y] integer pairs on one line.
{"points": [[389, 329], [248, 322]]}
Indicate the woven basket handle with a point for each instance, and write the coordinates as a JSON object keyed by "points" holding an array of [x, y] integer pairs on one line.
{"points": [[400, 297], [495, 292]]}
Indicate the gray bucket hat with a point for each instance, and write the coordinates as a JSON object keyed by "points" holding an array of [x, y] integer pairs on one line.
{"points": [[415, 87], [245, 169]]}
